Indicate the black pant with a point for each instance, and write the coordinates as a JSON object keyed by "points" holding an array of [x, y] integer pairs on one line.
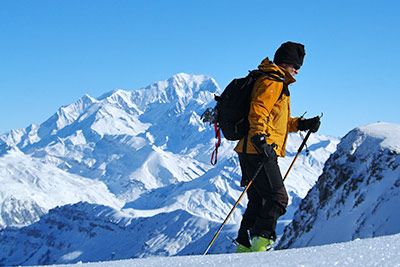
{"points": [[267, 198]]}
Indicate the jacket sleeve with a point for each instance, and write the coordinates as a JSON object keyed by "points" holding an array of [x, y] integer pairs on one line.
{"points": [[293, 124], [264, 97]]}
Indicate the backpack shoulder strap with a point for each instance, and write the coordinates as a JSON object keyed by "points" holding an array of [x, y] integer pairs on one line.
{"points": [[274, 76], [271, 75], [285, 91]]}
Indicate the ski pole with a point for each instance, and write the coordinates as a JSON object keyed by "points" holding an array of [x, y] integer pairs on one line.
{"points": [[298, 153], [233, 208]]}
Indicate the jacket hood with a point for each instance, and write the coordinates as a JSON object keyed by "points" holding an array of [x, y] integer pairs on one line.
{"points": [[267, 65]]}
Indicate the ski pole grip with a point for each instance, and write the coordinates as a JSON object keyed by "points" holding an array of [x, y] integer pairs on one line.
{"points": [[306, 138]]}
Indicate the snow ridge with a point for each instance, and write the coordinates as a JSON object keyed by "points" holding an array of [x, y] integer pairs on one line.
{"points": [[358, 193]]}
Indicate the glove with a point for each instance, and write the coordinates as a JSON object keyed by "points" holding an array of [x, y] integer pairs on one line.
{"points": [[309, 124], [260, 143]]}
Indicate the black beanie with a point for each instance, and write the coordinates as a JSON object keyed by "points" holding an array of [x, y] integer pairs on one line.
{"points": [[290, 53]]}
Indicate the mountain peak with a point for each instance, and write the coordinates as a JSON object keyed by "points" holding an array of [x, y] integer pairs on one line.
{"points": [[196, 82], [189, 78], [177, 91], [113, 93], [387, 134]]}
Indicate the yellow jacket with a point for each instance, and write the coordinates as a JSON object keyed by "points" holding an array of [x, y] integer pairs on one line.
{"points": [[270, 110]]}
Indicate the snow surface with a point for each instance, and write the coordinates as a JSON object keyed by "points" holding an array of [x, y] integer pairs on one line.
{"points": [[380, 251]]}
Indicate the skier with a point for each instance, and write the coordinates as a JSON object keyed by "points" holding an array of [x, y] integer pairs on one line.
{"points": [[270, 122]]}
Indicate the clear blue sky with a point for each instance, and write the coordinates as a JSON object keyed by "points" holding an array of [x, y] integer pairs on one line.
{"points": [[53, 52]]}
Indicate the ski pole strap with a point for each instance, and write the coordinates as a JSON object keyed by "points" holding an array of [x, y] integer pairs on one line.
{"points": [[214, 155]]}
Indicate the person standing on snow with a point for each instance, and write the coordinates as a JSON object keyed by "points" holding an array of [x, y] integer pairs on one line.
{"points": [[270, 122]]}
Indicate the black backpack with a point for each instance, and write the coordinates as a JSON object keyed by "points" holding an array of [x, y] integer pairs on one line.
{"points": [[233, 105], [232, 109]]}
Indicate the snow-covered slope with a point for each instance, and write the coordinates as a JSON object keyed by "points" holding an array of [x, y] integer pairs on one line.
{"points": [[379, 251], [30, 188], [358, 194], [213, 194], [179, 219], [151, 151], [88, 232]]}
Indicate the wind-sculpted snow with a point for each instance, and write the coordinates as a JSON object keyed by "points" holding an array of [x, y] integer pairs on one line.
{"points": [[146, 150], [358, 193]]}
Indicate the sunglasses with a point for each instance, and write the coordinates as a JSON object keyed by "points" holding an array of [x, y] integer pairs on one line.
{"points": [[296, 67]]}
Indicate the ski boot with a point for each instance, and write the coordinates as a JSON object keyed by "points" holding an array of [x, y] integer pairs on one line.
{"points": [[242, 242], [242, 249], [259, 243]]}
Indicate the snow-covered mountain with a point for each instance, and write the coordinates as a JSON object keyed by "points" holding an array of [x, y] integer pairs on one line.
{"points": [[146, 150], [29, 188], [358, 193], [120, 136], [110, 140], [88, 232]]}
